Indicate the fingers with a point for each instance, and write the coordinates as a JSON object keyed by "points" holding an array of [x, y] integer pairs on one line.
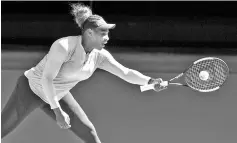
{"points": [[68, 120], [161, 86], [158, 80], [66, 124]]}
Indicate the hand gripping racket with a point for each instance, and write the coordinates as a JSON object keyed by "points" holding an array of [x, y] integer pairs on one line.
{"points": [[204, 75]]}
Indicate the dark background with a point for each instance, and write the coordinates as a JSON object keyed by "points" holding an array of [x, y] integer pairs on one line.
{"points": [[141, 26], [132, 8]]}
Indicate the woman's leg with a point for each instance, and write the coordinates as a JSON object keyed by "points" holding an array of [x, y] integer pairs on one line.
{"points": [[79, 128], [21, 103]]}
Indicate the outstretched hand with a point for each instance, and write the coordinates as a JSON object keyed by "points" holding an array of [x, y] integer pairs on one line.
{"points": [[159, 84], [63, 120]]}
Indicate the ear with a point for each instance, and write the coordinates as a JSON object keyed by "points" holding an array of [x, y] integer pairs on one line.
{"points": [[90, 33]]}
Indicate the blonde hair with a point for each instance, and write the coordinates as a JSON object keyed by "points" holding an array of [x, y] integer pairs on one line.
{"points": [[80, 12]]}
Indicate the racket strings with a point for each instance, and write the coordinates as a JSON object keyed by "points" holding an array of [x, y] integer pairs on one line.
{"points": [[217, 70]]}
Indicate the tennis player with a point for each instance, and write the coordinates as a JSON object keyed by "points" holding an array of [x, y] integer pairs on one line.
{"points": [[70, 60]]}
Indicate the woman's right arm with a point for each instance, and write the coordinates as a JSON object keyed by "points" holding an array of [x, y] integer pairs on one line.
{"points": [[56, 56]]}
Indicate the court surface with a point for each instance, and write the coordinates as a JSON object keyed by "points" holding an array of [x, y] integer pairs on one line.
{"points": [[122, 114]]}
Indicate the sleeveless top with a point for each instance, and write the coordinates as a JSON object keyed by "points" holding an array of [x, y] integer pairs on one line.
{"points": [[63, 82]]}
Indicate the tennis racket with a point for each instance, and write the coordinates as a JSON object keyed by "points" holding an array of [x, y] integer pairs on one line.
{"points": [[204, 75]]}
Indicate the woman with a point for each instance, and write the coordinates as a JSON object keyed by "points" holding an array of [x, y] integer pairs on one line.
{"points": [[70, 60]]}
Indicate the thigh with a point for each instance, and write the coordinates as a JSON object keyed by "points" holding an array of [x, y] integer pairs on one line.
{"points": [[27, 96], [23, 98], [20, 104]]}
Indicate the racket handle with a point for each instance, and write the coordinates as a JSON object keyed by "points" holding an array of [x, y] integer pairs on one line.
{"points": [[151, 86], [147, 87]]}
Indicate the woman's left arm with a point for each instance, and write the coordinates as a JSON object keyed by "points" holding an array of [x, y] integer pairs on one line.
{"points": [[109, 64]]}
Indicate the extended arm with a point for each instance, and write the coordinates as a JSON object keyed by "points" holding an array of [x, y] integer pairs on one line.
{"points": [[109, 64]]}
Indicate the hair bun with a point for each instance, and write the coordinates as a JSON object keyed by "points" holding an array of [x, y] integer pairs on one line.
{"points": [[80, 13]]}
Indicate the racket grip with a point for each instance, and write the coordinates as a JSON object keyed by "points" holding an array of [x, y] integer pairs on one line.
{"points": [[147, 87]]}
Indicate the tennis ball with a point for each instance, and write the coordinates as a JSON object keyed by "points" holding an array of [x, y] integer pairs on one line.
{"points": [[203, 75]]}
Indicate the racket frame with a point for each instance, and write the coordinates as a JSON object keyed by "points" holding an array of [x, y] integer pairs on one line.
{"points": [[151, 86]]}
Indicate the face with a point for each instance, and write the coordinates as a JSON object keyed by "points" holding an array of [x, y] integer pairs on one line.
{"points": [[100, 38]]}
